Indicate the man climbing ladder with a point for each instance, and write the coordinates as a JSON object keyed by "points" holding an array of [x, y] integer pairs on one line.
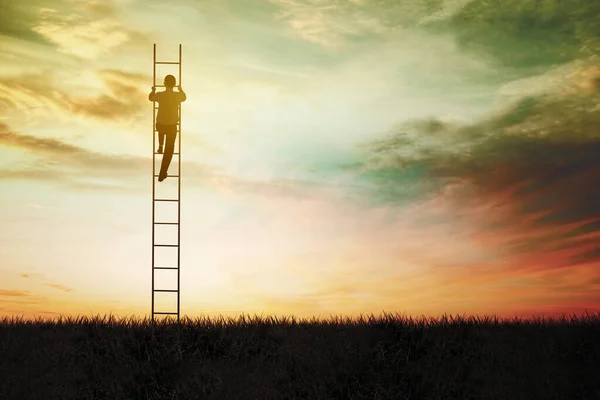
{"points": [[167, 120]]}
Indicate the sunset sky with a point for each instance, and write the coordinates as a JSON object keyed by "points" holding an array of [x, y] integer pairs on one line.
{"points": [[339, 157]]}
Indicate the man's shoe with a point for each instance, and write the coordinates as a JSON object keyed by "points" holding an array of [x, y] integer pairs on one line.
{"points": [[162, 176], [159, 151]]}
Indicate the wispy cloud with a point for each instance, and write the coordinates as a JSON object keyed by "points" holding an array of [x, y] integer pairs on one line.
{"points": [[89, 29], [14, 293], [77, 168], [20, 297], [78, 29], [327, 22], [57, 151], [59, 287], [332, 23], [31, 275], [72, 166], [123, 98]]}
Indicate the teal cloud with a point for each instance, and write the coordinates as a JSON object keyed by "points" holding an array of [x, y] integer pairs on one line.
{"points": [[526, 34], [538, 160], [547, 146]]}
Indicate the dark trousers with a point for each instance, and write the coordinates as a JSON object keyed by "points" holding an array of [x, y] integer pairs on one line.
{"points": [[170, 131]]}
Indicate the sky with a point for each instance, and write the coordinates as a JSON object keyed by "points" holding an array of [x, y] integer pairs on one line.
{"points": [[338, 157]]}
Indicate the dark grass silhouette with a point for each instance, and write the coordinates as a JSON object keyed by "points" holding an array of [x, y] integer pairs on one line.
{"points": [[386, 357]]}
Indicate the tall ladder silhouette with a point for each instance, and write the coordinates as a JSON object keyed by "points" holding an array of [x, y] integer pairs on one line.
{"points": [[176, 263]]}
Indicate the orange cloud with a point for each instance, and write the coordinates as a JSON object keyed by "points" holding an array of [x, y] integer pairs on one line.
{"points": [[59, 287], [14, 293], [125, 99]]}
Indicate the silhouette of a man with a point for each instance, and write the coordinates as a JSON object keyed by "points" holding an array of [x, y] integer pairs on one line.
{"points": [[166, 120]]}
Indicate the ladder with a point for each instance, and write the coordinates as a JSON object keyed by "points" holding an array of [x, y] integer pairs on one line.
{"points": [[175, 264]]}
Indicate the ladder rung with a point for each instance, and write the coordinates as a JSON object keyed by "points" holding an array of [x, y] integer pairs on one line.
{"points": [[166, 200], [175, 154], [155, 106], [166, 268], [166, 223], [166, 245], [166, 291], [172, 176], [166, 62], [165, 313]]}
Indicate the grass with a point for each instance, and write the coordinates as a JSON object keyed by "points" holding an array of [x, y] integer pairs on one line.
{"points": [[385, 357]]}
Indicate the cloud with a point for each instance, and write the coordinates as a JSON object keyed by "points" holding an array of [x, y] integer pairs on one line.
{"points": [[565, 114], [69, 155], [22, 297], [444, 10], [77, 168], [525, 34], [32, 275], [577, 77], [14, 293], [124, 99], [89, 30], [528, 178], [326, 22], [59, 287], [73, 166], [445, 251], [17, 19], [83, 28], [334, 22]]}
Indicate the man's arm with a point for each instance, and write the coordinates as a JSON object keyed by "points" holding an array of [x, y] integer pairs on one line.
{"points": [[152, 95], [183, 96]]}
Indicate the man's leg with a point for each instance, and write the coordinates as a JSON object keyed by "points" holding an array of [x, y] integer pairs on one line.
{"points": [[169, 149], [161, 140]]}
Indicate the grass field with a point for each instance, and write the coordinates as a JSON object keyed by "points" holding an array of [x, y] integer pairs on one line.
{"points": [[385, 357]]}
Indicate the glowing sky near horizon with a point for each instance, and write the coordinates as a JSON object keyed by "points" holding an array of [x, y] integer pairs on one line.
{"points": [[340, 157]]}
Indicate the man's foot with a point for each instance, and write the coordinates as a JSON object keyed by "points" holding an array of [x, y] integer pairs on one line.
{"points": [[162, 176], [159, 151]]}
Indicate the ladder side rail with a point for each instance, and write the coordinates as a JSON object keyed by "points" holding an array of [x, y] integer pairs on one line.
{"points": [[179, 203], [153, 169]]}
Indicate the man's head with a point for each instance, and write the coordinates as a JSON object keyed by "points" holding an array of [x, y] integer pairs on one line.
{"points": [[170, 81]]}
